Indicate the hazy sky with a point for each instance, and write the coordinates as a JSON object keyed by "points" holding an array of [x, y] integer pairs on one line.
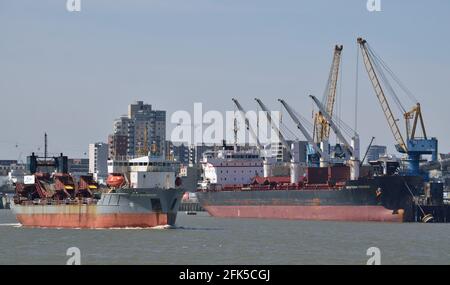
{"points": [[71, 74]]}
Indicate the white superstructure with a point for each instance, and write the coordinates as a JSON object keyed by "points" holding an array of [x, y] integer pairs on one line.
{"points": [[229, 167], [146, 171]]}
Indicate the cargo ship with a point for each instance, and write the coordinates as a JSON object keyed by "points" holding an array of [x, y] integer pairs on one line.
{"points": [[140, 192], [332, 186], [322, 194], [383, 199]]}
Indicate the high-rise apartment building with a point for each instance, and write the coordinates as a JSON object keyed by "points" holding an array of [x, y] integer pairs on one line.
{"points": [[141, 131], [98, 160]]}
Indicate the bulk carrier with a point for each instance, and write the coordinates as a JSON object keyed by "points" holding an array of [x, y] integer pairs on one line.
{"points": [[141, 192], [335, 187], [322, 193]]}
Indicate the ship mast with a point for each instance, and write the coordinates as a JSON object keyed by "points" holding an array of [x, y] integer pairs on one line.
{"points": [[45, 146]]}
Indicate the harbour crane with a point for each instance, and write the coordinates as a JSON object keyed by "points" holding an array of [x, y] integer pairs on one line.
{"points": [[414, 147], [352, 148], [247, 124], [321, 127], [292, 151], [267, 168], [323, 155], [367, 151], [274, 126]]}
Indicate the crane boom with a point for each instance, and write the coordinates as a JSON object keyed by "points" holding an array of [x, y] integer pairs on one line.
{"points": [[367, 151], [381, 96], [274, 127], [352, 148], [331, 122], [321, 130], [247, 124], [331, 95], [300, 126]]}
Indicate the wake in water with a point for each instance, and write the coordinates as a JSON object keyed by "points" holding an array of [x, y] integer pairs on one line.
{"points": [[16, 225], [197, 229], [160, 227]]}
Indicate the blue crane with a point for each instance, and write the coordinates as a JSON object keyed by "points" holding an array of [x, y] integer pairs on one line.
{"points": [[414, 147]]}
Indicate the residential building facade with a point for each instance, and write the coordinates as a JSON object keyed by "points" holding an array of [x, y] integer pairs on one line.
{"points": [[98, 160], [141, 131]]}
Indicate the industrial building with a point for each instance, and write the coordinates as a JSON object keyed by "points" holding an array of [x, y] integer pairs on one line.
{"points": [[375, 152], [10, 165], [78, 167]]}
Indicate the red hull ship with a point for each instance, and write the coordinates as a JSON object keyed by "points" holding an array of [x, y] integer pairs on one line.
{"points": [[56, 200], [376, 199]]}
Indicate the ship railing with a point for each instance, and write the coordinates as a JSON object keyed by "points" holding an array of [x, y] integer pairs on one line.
{"points": [[78, 201], [277, 187]]}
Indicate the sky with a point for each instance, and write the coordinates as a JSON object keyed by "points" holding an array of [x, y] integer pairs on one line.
{"points": [[71, 73]]}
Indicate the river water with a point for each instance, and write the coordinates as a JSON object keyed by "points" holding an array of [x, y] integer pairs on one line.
{"points": [[202, 239]]}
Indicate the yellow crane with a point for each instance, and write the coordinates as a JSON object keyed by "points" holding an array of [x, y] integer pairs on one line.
{"points": [[321, 126]]}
